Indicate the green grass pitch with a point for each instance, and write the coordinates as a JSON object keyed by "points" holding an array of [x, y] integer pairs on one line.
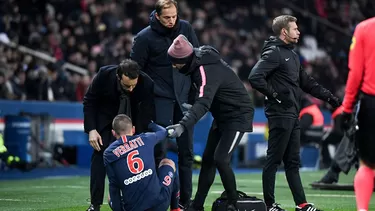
{"points": [[71, 194]]}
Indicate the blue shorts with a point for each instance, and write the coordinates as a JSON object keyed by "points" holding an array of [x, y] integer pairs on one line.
{"points": [[167, 177]]}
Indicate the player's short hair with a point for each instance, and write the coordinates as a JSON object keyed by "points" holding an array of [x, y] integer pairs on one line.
{"points": [[129, 68], [164, 4], [282, 22], [122, 124]]}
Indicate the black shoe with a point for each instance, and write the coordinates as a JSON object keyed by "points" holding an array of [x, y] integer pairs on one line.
{"points": [[184, 206], [191, 207], [194, 209], [275, 207], [308, 207], [93, 208], [329, 178]]}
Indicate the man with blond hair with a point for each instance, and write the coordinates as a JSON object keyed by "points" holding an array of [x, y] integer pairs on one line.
{"points": [[279, 76], [172, 89]]}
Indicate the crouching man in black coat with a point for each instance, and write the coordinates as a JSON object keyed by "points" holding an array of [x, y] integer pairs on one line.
{"points": [[116, 89], [220, 91]]}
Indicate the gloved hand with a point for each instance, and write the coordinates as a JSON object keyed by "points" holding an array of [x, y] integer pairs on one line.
{"points": [[284, 101], [334, 101], [346, 120], [187, 107], [178, 129]]}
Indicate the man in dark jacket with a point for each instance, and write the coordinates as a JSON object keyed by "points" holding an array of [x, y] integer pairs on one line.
{"points": [[221, 92], [116, 89], [279, 76], [171, 87]]}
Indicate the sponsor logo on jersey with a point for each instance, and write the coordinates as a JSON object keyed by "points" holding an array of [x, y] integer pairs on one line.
{"points": [[138, 177]]}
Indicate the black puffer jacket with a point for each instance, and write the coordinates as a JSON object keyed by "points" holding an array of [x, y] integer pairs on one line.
{"points": [[150, 52], [219, 91]]}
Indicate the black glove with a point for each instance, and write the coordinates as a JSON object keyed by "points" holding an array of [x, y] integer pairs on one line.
{"points": [[346, 120], [187, 107], [283, 100], [334, 101], [178, 129]]}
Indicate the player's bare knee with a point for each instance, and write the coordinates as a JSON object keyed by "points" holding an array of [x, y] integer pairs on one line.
{"points": [[168, 162]]}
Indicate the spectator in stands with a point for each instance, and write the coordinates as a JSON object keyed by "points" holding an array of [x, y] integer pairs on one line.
{"points": [[172, 89], [82, 87], [18, 85], [102, 31], [116, 89], [62, 89], [37, 82], [4, 90]]}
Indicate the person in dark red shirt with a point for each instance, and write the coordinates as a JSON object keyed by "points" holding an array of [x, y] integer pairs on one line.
{"points": [[361, 80]]}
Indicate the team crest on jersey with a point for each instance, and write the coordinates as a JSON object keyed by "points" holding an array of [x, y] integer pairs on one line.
{"points": [[170, 174]]}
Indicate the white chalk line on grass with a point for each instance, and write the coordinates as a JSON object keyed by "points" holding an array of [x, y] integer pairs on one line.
{"points": [[103, 202], [60, 177], [310, 195], [19, 188], [23, 200], [257, 181], [59, 186]]}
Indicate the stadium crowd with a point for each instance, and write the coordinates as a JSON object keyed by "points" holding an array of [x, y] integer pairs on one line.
{"points": [[93, 33]]}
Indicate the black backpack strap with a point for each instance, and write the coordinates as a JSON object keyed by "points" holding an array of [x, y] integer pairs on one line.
{"points": [[223, 195], [241, 194]]}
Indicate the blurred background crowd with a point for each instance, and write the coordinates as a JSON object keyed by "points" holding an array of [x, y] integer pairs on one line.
{"points": [[93, 33]]}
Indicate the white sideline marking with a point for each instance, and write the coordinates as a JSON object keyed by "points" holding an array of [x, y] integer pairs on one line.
{"points": [[312, 195], [42, 187], [257, 181], [103, 202], [58, 186], [60, 177], [37, 201]]}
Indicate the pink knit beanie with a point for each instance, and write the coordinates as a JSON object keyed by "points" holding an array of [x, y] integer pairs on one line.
{"points": [[181, 50]]}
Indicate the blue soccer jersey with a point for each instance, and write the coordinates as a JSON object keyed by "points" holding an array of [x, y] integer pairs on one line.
{"points": [[133, 181]]}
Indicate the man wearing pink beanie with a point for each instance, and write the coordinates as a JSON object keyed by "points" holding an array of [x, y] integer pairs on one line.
{"points": [[181, 51], [220, 91]]}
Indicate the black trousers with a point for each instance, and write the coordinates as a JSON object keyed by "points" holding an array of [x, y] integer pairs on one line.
{"points": [[97, 170], [220, 146], [365, 136], [334, 137], [185, 157], [283, 145]]}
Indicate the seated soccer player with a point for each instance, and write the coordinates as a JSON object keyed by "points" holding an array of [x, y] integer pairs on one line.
{"points": [[134, 183]]}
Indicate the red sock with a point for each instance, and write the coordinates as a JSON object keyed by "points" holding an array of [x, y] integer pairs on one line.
{"points": [[302, 205], [363, 186]]}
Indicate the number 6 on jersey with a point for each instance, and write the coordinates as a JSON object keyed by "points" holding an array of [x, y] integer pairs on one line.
{"points": [[135, 164]]}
